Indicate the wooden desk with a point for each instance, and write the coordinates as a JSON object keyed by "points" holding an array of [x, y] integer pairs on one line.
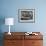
{"points": [[20, 39]]}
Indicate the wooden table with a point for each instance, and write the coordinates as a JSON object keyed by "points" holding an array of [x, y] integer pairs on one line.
{"points": [[20, 39]]}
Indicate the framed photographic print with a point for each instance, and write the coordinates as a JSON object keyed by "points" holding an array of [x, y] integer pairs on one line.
{"points": [[26, 15]]}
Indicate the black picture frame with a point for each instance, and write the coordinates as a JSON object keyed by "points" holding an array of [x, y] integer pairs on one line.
{"points": [[26, 15]]}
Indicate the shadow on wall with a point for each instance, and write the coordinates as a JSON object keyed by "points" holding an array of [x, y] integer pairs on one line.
{"points": [[2, 21]]}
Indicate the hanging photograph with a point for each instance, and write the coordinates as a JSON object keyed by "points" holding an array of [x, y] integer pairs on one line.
{"points": [[26, 15]]}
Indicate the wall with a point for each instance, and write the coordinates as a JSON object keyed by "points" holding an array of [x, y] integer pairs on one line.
{"points": [[9, 8]]}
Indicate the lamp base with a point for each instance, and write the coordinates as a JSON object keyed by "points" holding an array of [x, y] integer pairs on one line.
{"points": [[9, 33]]}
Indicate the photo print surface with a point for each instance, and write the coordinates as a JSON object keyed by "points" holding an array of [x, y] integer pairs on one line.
{"points": [[26, 15]]}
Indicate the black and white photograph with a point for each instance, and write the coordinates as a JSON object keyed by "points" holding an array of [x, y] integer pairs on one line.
{"points": [[26, 15]]}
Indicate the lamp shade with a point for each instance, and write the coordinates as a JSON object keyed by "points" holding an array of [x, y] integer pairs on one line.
{"points": [[9, 21]]}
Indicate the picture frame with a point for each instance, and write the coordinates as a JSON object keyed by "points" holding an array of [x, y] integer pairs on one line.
{"points": [[26, 15]]}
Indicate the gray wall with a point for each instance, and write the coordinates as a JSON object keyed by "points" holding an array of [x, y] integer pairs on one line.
{"points": [[9, 8]]}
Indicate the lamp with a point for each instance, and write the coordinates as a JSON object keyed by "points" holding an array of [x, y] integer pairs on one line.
{"points": [[9, 21]]}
